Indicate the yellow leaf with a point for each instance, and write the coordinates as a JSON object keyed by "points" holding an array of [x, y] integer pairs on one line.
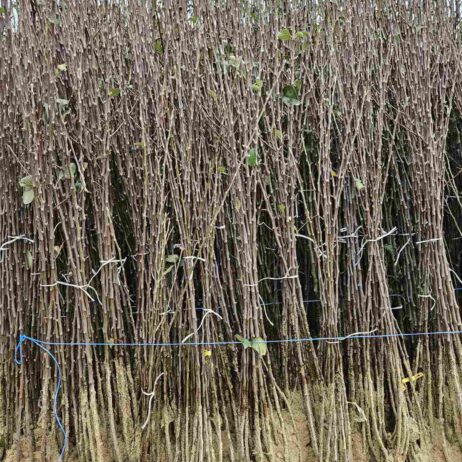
{"points": [[207, 353], [213, 94], [278, 134], [413, 378], [29, 259]]}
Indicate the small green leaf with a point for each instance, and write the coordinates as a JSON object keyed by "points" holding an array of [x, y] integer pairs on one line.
{"points": [[221, 170], [282, 209], [26, 182], [360, 416], [62, 102], [259, 345], [172, 259], [290, 95], [278, 134], [28, 196], [158, 46], [113, 92], [68, 172], [234, 61], [213, 95], [300, 35], [2, 10], [62, 67], [29, 259], [72, 169], [244, 341], [257, 86], [389, 248], [252, 158], [284, 35], [54, 20], [28, 193], [359, 184]]}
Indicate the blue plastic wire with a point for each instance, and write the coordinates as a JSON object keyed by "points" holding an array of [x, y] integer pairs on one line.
{"points": [[19, 359], [18, 355]]}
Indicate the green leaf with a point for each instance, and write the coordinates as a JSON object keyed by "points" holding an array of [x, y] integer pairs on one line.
{"points": [[300, 35], [29, 259], [259, 345], [172, 259], [234, 61], [244, 341], [290, 95], [359, 184], [284, 35], [360, 415], [62, 67], [55, 20], [2, 10], [26, 182], [68, 172], [158, 46], [28, 196], [278, 134], [113, 92], [221, 170], [252, 158], [62, 102], [213, 95], [72, 169], [257, 86], [282, 209], [389, 248]]}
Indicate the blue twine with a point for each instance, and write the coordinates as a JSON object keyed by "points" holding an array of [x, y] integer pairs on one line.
{"points": [[19, 360], [18, 355]]}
